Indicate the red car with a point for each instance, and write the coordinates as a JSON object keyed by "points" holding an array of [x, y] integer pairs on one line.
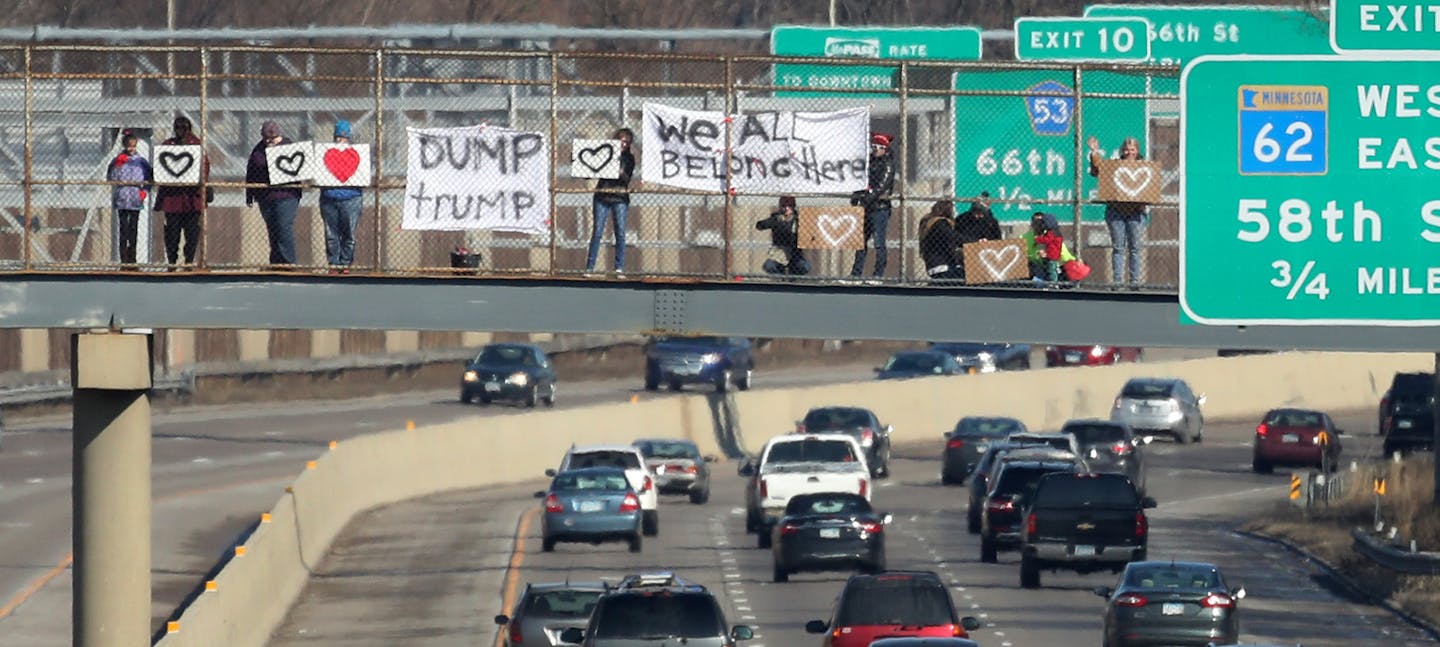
{"points": [[893, 603], [1296, 437], [1090, 355]]}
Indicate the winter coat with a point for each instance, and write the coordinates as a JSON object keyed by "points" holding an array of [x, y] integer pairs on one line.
{"points": [[784, 234], [258, 172], [134, 169], [876, 195], [616, 191], [939, 245], [977, 224], [184, 199]]}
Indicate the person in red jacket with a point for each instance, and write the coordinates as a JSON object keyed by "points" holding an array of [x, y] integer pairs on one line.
{"points": [[183, 205]]}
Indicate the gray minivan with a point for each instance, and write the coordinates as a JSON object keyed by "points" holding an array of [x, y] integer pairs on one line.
{"points": [[634, 616]]}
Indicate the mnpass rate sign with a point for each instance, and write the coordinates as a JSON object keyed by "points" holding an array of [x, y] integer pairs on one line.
{"points": [[1309, 190]]}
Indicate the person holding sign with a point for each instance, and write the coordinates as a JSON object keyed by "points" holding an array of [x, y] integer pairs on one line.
{"points": [[977, 224], [183, 204], [340, 209], [875, 197], [784, 227], [277, 203], [1125, 219], [939, 243], [132, 175], [612, 203]]}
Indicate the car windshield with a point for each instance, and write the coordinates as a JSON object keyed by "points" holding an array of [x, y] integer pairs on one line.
{"points": [[1146, 390], [507, 355], [1057, 442], [562, 604], [895, 602], [668, 449], [1172, 576], [1021, 481], [705, 340], [681, 615], [810, 451], [828, 504], [567, 481], [622, 460], [988, 427], [1096, 434], [1294, 419], [1080, 491], [919, 362], [819, 419]]}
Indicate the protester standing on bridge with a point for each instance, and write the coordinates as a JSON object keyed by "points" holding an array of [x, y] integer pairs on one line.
{"points": [[976, 224], [1125, 219], [784, 227], [939, 245], [133, 173], [277, 203], [612, 203], [340, 209], [183, 204], [875, 198]]}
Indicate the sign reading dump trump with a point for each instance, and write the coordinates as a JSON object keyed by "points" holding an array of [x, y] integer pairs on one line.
{"points": [[477, 177], [798, 153]]}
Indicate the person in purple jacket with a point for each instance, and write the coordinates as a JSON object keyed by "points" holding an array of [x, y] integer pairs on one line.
{"points": [[277, 203], [132, 175]]}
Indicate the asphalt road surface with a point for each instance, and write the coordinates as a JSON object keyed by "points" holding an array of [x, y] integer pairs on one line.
{"points": [[386, 582]]}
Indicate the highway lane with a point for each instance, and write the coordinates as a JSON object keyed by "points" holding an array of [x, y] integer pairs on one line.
{"points": [[215, 470], [1204, 490]]}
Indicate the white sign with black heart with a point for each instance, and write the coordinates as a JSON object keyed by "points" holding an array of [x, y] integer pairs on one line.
{"points": [[177, 164], [595, 158], [290, 163]]}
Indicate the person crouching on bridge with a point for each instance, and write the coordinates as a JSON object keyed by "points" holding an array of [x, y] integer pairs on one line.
{"points": [[1045, 247], [784, 227], [939, 244]]}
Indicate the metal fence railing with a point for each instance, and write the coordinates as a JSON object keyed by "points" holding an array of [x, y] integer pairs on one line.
{"points": [[962, 131]]}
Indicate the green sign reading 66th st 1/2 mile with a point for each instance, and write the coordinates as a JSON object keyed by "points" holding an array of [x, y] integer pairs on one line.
{"points": [[1308, 190]]}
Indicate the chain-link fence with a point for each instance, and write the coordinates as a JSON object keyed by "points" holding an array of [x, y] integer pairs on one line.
{"points": [[503, 163]]}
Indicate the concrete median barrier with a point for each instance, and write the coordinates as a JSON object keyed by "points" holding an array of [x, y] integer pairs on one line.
{"points": [[254, 591]]}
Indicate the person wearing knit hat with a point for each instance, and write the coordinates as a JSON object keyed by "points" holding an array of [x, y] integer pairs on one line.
{"points": [[784, 227], [184, 204], [340, 208], [875, 198], [278, 203]]}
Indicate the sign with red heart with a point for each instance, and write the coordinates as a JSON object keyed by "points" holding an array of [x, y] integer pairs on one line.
{"points": [[342, 164]]}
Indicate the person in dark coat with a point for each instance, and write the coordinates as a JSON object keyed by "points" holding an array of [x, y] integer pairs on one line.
{"points": [[184, 204], [939, 247], [277, 203], [976, 224], [612, 203], [784, 228], [875, 198]]}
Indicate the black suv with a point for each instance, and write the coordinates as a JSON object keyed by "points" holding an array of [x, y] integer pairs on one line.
{"points": [[657, 608], [858, 423], [1083, 523], [677, 361], [1010, 491], [1407, 413]]}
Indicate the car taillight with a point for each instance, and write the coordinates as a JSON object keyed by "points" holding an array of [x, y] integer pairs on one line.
{"points": [[764, 489], [1001, 506], [1217, 600], [515, 636], [1121, 448], [630, 504], [1142, 525], [1131, 600], [1030, 524], [788, 528], [552, 504], [1097, 351], [1262, 429], [1117, 403], [691, 469], [872, 527], [955, 443], [647, 485], [867, 436], [864, 487], [958, 631], [799, 427]]}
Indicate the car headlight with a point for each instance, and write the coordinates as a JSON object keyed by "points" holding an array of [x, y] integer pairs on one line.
{"points": [[518, 379], [987, 362], [710, 358], [471, 376]]}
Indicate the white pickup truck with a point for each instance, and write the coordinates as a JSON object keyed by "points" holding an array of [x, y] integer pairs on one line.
{"points": [[800, 464]]}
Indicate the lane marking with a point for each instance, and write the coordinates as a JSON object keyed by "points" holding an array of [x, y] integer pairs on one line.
{"points": [[512, 572]]}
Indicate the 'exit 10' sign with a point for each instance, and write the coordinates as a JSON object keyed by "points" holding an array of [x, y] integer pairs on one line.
{"points": [[1082, 39]]}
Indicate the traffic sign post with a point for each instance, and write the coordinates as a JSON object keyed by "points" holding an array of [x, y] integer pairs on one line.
{"points": [[881, 43], [1307, 190], [1082, 39], [1384, 26]]}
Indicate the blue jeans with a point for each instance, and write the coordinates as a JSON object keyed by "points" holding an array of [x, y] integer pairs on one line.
{"points": [[279, 218], [341, 218], [1126, 238], [616, 213], [876, 222]]}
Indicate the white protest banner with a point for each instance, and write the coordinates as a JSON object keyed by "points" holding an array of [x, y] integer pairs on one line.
{"points": [[477, 177], [338, 164], [177, 164], [290, 163], [797, 153], [595, 158]]}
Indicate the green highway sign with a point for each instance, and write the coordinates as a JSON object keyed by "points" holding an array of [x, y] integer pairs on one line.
{"points": [[1307, 190], [880, 43], [1381, 25], [1082, 39], [1022, 146]]}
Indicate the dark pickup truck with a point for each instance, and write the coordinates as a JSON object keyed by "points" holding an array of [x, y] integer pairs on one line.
{"points": [[1407, 413], [1083, 523]]}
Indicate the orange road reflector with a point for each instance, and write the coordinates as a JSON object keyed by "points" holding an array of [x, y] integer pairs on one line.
{"points": [[635, 398], [264, 517], [210, 585], [334, 444], [409, 425], [1380, 487], [172, 627], [239, 551]]}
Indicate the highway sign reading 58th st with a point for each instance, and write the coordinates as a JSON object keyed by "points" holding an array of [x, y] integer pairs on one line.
{"points": [[1309, 190]]}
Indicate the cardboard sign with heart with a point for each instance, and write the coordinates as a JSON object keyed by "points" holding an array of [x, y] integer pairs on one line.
{"points": [[341, 164], [595, 158], [993, 261], [290, 163], [1129, 181], [177, 164], [834, 227]]}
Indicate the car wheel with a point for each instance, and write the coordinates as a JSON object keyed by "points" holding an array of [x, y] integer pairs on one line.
{"points": [[701, 497], [550, 397], [1261, 466], [636, 542], [675, 385], [973, 523], [946, 480], [652, 381], [484, 399], [988, 553], [650, 522], [1029, 573], [465, 397], [1181, 438], [530, 398], [723, 383], [751, 522], [744, 384], [547, 545], [781, 575], [762, 538]]}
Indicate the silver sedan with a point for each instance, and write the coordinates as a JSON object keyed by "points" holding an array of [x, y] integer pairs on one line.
{"points": [[1161, 405]]}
